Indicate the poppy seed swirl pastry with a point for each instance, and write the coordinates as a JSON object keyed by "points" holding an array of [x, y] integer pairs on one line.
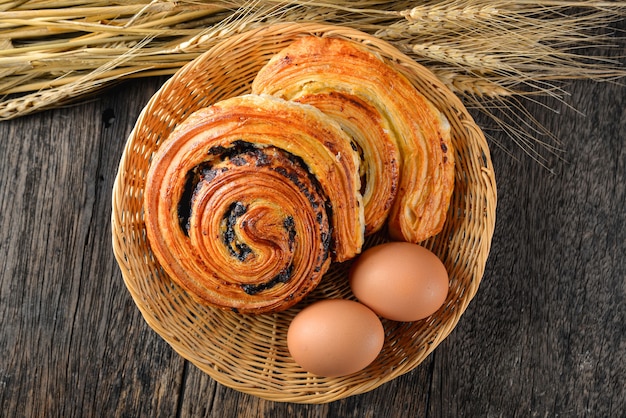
{"points": [[409, 180], [249, 200]]}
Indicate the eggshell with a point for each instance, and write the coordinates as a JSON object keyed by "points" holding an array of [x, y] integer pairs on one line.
{"points": [[335, 337], [400, 281]]}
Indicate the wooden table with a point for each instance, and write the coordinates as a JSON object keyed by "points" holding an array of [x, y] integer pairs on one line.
{"points": [[545, 335]]}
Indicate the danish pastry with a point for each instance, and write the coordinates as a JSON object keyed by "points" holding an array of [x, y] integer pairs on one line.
{"points": [[331, 72], [249, 200]]}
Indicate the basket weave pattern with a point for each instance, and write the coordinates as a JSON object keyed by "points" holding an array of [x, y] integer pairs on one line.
{"points": [[249, 353]]}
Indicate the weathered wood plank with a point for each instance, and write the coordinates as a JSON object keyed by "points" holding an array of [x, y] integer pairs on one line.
{"points": [[545, 334], [76, 344]]}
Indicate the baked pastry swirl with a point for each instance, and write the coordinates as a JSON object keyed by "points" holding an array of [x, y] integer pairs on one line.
{"points": [[413, 136], [370, 132], [248, 201]]}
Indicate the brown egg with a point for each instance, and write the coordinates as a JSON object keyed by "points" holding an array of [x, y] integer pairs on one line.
{"points": [[335, 337], [400, 281]]}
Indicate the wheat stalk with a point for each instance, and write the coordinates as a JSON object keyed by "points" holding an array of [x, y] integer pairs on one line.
{"points": [[477, 36], [491, 52], [496, 54]]}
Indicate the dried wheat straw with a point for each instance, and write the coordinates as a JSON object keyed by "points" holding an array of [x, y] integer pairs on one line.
{"points": [[55, 51]]}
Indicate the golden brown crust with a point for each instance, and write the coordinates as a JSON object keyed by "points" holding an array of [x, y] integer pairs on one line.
{"points": [[242, 199], [378, 152], [419, 131]]}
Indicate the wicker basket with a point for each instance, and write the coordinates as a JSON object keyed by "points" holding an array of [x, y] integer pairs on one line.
{"points": [[249, 353]]}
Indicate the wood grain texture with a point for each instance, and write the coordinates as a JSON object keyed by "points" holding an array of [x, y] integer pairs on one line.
{"points": [[545, 336]]}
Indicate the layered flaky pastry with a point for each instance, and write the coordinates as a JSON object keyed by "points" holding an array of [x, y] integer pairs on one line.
{"points": [[337, 74], [378, 152], [249, 200]]}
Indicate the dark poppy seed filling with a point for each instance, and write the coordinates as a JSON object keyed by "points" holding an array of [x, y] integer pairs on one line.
{"points": [[237, 147], [245, 155], [282, 277], [184, 204], [290, 226], [201, 172], [237, 249]]}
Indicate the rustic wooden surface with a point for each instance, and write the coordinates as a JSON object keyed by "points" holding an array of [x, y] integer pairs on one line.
{"points": [[545, 335]]}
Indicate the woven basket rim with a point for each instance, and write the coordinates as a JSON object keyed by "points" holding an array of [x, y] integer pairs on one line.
{"points": [[278, 382]]}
